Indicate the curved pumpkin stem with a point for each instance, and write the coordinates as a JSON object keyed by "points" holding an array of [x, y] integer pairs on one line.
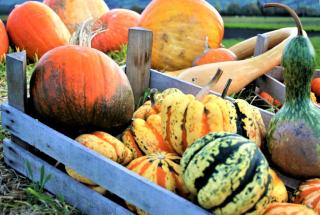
{"points": [[86, 32], [226, 88], [292, 13], [206, 89]]}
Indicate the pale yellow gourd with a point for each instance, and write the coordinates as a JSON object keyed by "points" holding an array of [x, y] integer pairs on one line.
{"points": [[242, 72]]}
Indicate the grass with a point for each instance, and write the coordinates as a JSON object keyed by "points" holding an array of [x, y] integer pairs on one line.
{"points": [[270, 23]]}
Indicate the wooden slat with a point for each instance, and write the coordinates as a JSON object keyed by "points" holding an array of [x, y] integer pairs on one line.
{"points": [[262, 44], [75, 193], [108, 174], [16, 79], [161, 82], [139, 60]]}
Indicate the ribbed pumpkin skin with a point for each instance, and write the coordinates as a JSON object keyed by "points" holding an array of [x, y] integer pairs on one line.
{"points": [[179, 31], [116, 22], [4, 42], [185, 119], [81, 87], [228, 174], [74, 12], [161, 168], [35, 27], [287, 209], [309, 194]]}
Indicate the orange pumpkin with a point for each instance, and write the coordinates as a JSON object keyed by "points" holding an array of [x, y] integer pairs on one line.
{"points": [[180, 29], [266, 96], [287, 209], [81, 87], [214, 56], [116, 24], [4, 42], [74, 12], [33, 26], [309, 194], [315, 86]]}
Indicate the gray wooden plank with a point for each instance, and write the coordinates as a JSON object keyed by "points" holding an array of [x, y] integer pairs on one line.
{"points": [[161, 82], [17, 84], [139, 60], [16, 80], [75, 193], [272, 86], [108, 174], [261, 44]]}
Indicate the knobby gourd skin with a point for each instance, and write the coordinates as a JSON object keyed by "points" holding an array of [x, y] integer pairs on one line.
{"points": [[228, 174], [294, 132]]}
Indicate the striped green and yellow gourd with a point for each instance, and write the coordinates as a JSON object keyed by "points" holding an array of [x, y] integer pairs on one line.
{"points": [[228, 173]]}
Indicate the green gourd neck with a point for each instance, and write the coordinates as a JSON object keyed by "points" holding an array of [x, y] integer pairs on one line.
{"points": [[299, 63]]}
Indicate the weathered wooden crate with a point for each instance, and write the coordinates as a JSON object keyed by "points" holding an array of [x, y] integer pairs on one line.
{"points": [[35, 143]]}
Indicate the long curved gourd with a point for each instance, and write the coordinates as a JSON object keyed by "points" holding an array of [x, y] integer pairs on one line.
{"points": [[293, 138], [242, 72]]}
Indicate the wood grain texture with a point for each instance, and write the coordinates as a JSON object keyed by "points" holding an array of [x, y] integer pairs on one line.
{"points": [[75, 193], [16, 80], [139, 60], [108, 174]]}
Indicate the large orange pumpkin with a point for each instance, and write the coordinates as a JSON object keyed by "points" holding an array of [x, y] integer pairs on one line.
{"points": [[116, 24], [74, 12], [4, 42], [33, 26], [81, 87], [180, 29]]}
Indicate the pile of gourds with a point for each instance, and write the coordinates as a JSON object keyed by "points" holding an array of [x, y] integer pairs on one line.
{"points": [[206, 147]]}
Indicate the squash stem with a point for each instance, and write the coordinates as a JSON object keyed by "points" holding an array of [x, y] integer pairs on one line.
{"points": [[292, 13]]}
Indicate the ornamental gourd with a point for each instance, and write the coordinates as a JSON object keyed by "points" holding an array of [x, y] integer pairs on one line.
{"points": [[162, 169], [293, 138], [74, 12], [4, 41], [35, 27], [106, 145], [228, 174], [308, 194], [179, 31], [185, 119], [287, 209], [81, 87]]}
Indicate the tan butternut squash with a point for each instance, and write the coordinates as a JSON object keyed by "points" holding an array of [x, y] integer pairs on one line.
{"points": [[242, 72]]}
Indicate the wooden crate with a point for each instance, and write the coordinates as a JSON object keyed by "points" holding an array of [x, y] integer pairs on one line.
{"points": [[30, 137]]}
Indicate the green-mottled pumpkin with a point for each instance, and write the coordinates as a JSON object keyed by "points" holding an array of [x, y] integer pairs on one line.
{"points": [[228, 173]]}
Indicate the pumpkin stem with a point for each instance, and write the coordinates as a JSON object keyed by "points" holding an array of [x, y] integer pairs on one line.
{"points": [[206, 89], [226, 88], [86, 32], [292, 13], [153, 93]]}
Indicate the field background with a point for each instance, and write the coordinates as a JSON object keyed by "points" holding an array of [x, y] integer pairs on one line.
{"points": [[20, 196]]}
